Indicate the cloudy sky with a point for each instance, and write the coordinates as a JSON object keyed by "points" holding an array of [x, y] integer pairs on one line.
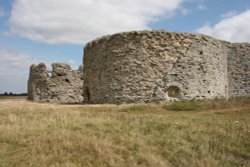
{"points": [[33, 31]]}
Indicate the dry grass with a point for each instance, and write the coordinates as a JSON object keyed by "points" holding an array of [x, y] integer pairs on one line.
{"points": [[214, 133], [12, 97]]}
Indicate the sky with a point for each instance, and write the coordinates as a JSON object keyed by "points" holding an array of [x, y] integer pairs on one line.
{"points": [[33, 31]]}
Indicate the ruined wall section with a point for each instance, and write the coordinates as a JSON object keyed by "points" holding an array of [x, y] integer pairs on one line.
{"points": [[149, 66], [239, 70], [62, 85], [200, 72]]}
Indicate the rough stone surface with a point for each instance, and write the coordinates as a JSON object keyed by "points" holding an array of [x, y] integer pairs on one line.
{"points": [[62, 85], [239, 70], [147, 66], [155, 66]]}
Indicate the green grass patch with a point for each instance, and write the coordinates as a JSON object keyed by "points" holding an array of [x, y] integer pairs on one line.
{"points": [[198, 105], [184, 106], [137, 108], [34, 134]]}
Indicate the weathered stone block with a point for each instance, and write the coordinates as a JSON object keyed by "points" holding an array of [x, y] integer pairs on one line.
{"points": [[63, 86]]}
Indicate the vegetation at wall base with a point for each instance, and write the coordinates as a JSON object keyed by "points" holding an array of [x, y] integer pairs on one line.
{"points": [[201, 105], [212, 133]]}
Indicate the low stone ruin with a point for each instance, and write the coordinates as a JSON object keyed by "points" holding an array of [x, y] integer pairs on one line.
{"points": [[61, 85]]}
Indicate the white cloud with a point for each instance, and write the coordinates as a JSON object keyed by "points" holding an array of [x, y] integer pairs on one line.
{"points": [[201, 5], [72, 62], [14, 69], [13, 61], [234, 29], [228, 14], [78, 21], [185, 11]]}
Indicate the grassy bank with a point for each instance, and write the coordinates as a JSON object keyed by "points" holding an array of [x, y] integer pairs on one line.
{"points": [[206, 133], [13, 97]]}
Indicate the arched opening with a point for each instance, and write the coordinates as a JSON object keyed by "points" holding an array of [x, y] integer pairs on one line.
{"points": [[174, 92], [87, 95]]}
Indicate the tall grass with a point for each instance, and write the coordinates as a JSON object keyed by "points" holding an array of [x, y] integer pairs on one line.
{"points": [[216, 104], [33, 134]]}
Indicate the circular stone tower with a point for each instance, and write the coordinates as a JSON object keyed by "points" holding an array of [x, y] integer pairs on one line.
{"points": [[154, 66]]}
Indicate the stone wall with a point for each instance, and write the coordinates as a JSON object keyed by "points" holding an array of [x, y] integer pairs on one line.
{"points": [[152, 66], [147, 66], [62, 85], [239, 70]]}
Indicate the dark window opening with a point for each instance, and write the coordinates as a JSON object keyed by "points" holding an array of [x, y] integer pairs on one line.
{"points": [[174, 92], [87, 95], [67, 80]]}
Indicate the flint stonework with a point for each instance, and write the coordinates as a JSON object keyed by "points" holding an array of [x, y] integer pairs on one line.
{"points": [[147, 66], [155, 66], [62, 85]]}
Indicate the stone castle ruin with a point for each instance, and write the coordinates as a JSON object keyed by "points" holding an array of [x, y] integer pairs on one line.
{"points": [[147, 66], [62, 85]]}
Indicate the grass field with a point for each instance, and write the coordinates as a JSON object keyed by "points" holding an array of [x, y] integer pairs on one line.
{"points": [[13, 97], [185, 134]]}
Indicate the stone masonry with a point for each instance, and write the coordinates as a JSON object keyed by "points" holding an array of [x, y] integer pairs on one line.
{"points": [[239, 70], [154, 66], [62, 85], [147, 66]]}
